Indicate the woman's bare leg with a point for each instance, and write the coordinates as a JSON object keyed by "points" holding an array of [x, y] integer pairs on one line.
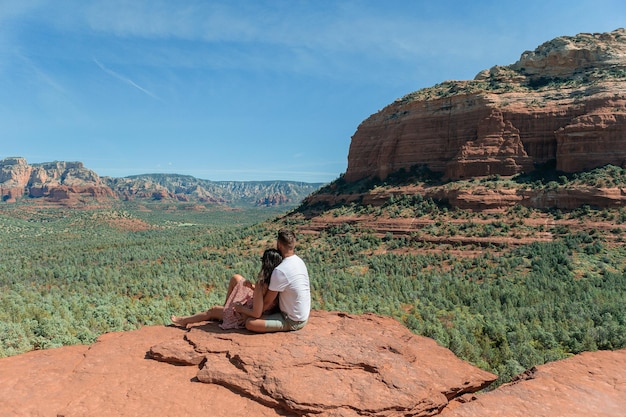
{"points": [[214, 313], [234, 280]]}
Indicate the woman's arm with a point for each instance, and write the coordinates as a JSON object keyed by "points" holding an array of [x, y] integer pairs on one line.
{"points": [[269, 299]]}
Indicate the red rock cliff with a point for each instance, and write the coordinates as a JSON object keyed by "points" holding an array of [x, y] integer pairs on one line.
{"points": [[563, 102], [55, 180]]}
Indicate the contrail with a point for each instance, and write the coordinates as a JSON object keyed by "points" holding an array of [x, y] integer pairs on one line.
{"points": [[126, 80]]}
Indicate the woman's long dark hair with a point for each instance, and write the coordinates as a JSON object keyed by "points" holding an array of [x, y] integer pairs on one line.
{"points": [[270, 260]]}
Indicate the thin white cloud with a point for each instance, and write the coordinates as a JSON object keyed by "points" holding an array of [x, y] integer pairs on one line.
{"points": [[325, 39], [329, 29], [126, 80], [44, 77]]}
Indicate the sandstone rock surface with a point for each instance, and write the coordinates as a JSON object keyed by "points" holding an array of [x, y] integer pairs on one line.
{"points": [[113, 378], [589, 384], [563, 102], [338, 365], [14, 175]]}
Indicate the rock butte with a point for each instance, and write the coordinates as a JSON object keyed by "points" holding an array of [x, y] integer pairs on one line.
{"points": [[563, 102], [57, 181]]}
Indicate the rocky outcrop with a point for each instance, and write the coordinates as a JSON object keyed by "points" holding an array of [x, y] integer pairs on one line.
{"points": [[563, 102], [272, 200], [589, 384], [338, 365], [479, 197], [497, 149], [592, 140], [14, 176], [113, 378], [57, 181]]}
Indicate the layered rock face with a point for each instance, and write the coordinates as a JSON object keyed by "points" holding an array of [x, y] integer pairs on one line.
{"points": [[56, 180], [563, 102], [14, 176]]}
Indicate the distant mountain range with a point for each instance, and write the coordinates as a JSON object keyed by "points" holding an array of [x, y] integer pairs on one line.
{"points": [[238, 193], [71, 183]]}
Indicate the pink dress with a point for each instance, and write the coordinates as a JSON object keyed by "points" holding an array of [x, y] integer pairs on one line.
{"points": [[231, 319]]}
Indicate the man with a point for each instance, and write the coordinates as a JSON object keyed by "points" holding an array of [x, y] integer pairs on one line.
{"points": [[290, 283]]}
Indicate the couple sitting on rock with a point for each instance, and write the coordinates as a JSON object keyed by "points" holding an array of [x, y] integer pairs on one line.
{"points": [[279, 301]]}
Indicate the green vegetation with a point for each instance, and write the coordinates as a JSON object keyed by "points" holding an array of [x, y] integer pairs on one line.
{"points": [[67, 276], [509, 79], [547, 177], [504, 312]]}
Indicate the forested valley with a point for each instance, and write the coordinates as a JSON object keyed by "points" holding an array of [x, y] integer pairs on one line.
{"points": [[67, 276]]}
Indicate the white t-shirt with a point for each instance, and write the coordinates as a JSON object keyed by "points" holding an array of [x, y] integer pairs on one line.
{"points": [[291, 280]]}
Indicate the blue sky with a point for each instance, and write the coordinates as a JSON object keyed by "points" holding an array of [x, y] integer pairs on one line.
{"points": [[243, 90]]}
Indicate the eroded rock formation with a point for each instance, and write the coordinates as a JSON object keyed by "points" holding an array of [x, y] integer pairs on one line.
{"points": [[57, 181], [563, 102], [14, 176]]}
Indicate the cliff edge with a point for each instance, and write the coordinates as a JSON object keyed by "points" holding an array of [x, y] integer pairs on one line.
{"points": [[338, 365]]}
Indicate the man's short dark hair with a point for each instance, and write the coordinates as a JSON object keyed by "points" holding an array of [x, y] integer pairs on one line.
{"points": [[287, 237]]}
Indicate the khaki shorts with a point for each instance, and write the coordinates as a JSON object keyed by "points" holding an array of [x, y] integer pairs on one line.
{"points": [[279, 322]]}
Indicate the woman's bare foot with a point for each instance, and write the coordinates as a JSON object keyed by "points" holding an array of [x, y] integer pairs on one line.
{"points": [[179, 321]]}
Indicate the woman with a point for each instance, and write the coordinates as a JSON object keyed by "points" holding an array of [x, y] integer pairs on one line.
{"points": [[243, 299]]}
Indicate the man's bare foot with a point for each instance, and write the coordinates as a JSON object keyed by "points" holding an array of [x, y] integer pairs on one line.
{"points": [[179, 321]]}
